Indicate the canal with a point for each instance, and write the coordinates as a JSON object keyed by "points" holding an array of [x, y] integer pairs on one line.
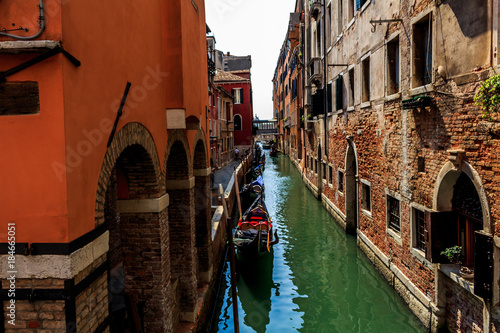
{"points": [[315, 280]]}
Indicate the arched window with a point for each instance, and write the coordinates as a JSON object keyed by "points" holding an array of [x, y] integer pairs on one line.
{"points": [[237, 123]]}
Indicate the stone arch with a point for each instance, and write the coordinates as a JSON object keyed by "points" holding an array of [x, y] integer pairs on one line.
{"points": [[180, 186], [131, 134], [351, 186], [131, 196], [443, 190], [202, 196]]}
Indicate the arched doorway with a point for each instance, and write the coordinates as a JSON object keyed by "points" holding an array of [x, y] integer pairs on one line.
{"points": [[459, 192], [351, 187], [180, 185], [133, 205]]}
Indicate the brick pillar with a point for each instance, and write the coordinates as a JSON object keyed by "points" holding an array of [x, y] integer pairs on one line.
{"points": [[203, 223], [183, 255], [146, 259]]}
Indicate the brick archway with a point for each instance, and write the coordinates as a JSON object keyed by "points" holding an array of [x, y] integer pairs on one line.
{"points": [[132, 203], [201, 171], [180, 185]]}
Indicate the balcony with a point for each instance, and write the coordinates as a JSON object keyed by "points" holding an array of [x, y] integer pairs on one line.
{"points": [[315, 8], [315, 75]]}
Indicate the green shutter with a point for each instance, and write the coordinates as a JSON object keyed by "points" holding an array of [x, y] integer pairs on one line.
{"points": [[441, 232], [329, 97], [339, 92], [483, 265]]}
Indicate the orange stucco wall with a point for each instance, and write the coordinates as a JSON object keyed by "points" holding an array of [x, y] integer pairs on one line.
{"points": [[54, 158]]}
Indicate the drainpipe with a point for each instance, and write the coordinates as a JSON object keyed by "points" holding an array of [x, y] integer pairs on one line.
{"points": [[325, 81], [41, 23]]}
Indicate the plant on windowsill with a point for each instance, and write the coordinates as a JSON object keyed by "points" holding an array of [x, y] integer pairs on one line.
{"points": [[488, 96], [454, 255]]}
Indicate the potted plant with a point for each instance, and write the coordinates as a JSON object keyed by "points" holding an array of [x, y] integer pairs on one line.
{"points": [[454, 255]]}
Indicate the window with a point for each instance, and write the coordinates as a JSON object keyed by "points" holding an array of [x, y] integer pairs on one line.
{"points": [[422, 52], [330, 174], [419, 229], [393, 66], [318, 39], [421, 164], [329, 26], [219, 108], [393, 214], [329, 97], [316, 166], [351, 87], [366, 197], [365, 71], [340, 184], [339, 92], [324, 170], [360, 3], [237, 122], [340, 23], [237, 95]]}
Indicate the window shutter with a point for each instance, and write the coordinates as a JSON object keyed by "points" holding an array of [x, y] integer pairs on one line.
{"points": [[234, 96], [317, 102], [241, 95], [441, 232], [339, 93], [329, 97], [483, 265]]}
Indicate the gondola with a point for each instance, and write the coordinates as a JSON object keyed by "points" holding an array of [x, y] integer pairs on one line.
{"points": [[251, 191], [254, 234], [273, 152]]}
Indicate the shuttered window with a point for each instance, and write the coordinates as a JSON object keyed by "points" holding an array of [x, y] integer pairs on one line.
{"points": [[339, 92], [393, 214], [329, 97]]}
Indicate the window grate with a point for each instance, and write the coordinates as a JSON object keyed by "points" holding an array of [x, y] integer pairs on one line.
{"points": [[393, 213], [420, 230]]}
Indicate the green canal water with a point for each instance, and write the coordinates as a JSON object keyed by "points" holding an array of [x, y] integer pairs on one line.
{"points": [[315, 280]]}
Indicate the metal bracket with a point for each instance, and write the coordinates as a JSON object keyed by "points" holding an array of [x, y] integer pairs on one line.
{"points": [[36, 60], [379, 22], [119, 113]]}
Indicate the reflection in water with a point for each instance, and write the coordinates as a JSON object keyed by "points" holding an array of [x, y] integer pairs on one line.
{"points": [[317, 280], [255, 284]]}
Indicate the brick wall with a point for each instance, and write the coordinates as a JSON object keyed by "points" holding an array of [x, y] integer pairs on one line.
{"points": [[38, 315], [464, 311]]}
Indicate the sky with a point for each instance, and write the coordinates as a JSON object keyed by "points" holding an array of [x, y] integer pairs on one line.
{"points": [[257, 28]]}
